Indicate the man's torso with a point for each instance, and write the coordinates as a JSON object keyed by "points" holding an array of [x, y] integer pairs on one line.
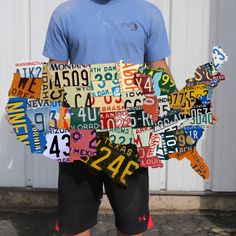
{"points": [[103, 33]]}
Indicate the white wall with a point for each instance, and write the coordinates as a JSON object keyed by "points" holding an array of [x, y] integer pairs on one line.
{"points": [[223, 162], [14, 44], [193, 26]]}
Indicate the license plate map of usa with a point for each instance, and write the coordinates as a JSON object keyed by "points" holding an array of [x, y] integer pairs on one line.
{"points": [[114, 117]]}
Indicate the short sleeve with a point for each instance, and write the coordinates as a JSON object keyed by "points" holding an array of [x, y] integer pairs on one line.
{"points": [[56, 43], [157, 45]]}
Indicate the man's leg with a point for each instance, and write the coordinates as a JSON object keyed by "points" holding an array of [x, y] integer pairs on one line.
{"points": [[79, 193], [120, 234], [130, 205], [85, 233]]}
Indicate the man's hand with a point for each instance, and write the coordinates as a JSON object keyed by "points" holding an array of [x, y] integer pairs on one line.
{"points": [[8, 119], [214, 116]]}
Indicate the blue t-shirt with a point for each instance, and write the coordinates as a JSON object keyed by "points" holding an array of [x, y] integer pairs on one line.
{"points": [[103, 31]]}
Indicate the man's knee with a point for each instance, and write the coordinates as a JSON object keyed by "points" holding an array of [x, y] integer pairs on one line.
{"points": [[85, 233], [121, 234]]}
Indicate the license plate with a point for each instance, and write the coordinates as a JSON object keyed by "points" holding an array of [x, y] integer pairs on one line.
{"points": [[85, 118], [45, 87], [103, 72], [108, 103], [30, 69], [150, 106], [25, 87], [66, 75], [195, 132], [185, 99], [78, 96], [122, 136], [169, 143], [173, 118], [126, 76], [25, 130], [142, 136], [133, 100], [38, 112], [59, 116], [184, 141], [219, 57], [140, 119], [148, 161], [144, 82], [164, 105], [118, 161], [196, 162], [58, 145], [105, 88], [82, 144], [166, 84], [202, 120], [111, 120]]}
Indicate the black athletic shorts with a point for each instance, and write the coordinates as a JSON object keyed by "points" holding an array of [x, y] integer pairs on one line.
{"points": [[80, 193]]}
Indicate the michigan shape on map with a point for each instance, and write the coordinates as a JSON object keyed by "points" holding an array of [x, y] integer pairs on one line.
{"points": [[114, 117]]}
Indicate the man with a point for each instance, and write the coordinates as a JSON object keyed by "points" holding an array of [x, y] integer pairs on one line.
{"points": [[96, 32]]}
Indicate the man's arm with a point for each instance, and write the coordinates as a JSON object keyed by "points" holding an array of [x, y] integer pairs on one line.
{"points": [[161, 64]]}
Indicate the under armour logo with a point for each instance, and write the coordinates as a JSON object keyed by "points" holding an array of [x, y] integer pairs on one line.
{"points": [[142, 219]]}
